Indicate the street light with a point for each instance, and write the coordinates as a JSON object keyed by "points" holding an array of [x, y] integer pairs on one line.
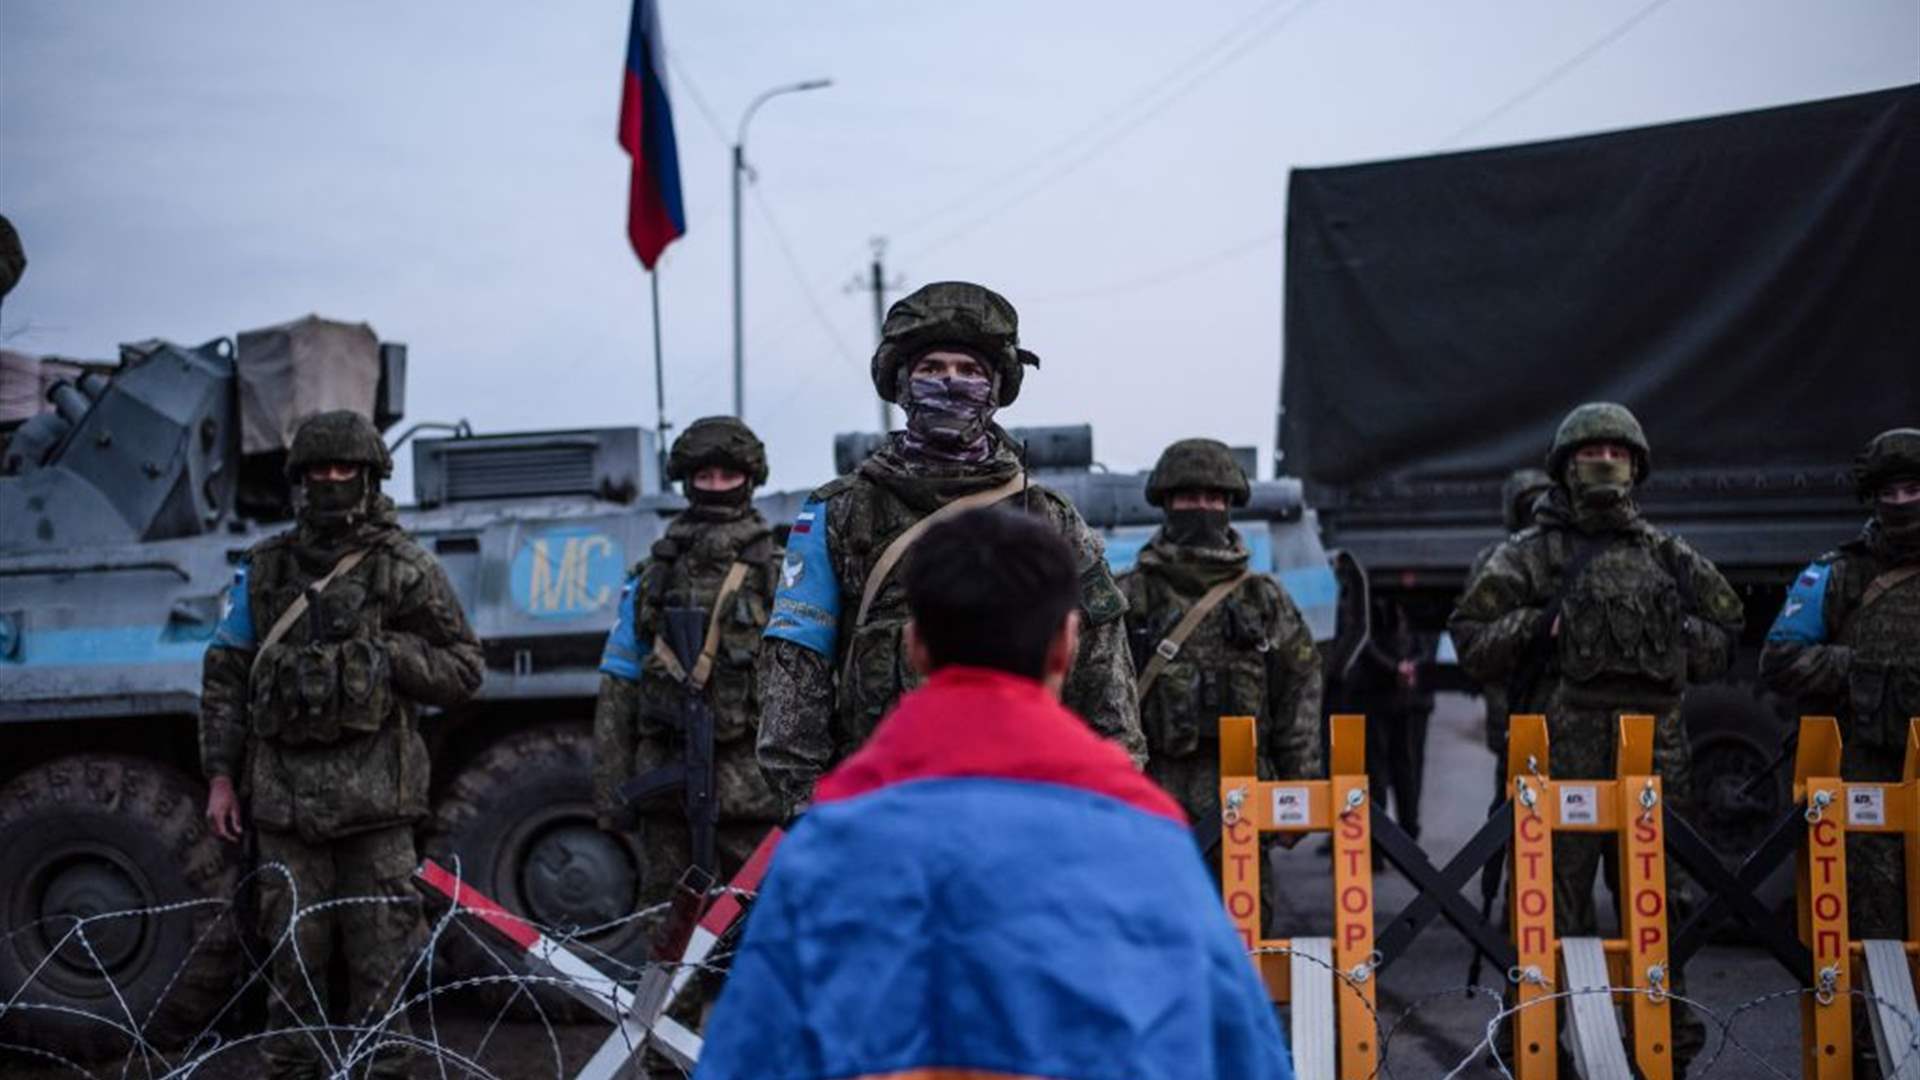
{"points": [[740, 167]]}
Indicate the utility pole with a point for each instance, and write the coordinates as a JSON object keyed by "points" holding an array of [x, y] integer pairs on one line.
{"points": [[878, 283]]}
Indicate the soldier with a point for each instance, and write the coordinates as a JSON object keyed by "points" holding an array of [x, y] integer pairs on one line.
{"points": [[1210, 638], [1518, 495], [336, 632], [834, 661], [1602, 614], [719, 557], [1847, 643]]}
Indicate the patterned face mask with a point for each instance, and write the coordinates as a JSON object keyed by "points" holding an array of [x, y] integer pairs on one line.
{"points": [[1601, 484], [948, 417]]}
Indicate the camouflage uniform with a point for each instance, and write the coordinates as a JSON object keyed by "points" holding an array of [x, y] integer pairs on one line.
{"points": [[826, 678], [1859, 661], [1522, 489], [642, 694], [318, 731], [1647, 616]]}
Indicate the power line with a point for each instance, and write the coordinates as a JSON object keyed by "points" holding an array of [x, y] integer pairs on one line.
{"points": [[1144, 94], [1237, 250], [1593, 49], [800, 278], [699, 100], [1100, 145]]}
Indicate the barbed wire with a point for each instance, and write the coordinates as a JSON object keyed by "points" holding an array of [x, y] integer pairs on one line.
{"points": [[423, 984]]}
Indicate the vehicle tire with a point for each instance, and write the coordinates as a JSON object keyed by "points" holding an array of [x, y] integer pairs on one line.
{"points": [[1734, 735], [87, 836], [519, 821]]}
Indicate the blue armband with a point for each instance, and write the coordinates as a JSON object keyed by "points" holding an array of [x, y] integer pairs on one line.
{"points": [[806, 609], [625, 651], [236, 622], [1802, 619]]}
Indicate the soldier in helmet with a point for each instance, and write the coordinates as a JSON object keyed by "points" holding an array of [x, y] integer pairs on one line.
{"points": [[834, 661], [717, 556], [1522, 489], [1847, 643], [335, 633], [1249, 653], [1589, 613]]}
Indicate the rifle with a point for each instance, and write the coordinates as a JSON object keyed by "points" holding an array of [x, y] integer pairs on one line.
{"points": [[692, 776]]}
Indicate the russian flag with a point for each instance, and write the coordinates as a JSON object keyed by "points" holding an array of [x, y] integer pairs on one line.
{"points": [[655, 217], [988, 889]]}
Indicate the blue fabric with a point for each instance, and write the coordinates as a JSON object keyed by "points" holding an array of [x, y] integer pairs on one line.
{"points": [[990, 924], [806, 609], [236, 625], [625, 651], [1802, 619]]}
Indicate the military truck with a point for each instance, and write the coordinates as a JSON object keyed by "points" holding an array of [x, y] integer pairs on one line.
{"points": [[123, 510], [1743, 283]]}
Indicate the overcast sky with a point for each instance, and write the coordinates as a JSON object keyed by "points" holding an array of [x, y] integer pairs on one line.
{"points": [[449, 173]]}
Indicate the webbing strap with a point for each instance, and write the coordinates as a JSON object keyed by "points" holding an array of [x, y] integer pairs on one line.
{"points": [[299, 606], [1169, 646], [703, 666]]}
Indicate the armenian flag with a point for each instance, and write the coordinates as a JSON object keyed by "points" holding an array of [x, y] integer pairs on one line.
{"points": [[990, 890]]}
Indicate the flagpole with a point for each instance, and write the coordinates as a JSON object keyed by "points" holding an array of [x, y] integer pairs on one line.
{"points": [[659, 381]]}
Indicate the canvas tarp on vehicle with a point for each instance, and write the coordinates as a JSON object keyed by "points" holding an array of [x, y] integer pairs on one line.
{"points": [[291, 371], [1748, 284]]}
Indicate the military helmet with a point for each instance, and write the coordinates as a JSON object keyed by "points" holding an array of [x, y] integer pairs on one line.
{"points": [[955, 313], [13, 259], [1890, 455], [1599, 421], [1197, 465], [1517, 495], [341, 435], [718, 440]]}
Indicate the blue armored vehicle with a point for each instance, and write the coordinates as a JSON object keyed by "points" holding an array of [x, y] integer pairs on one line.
{"points": [[123, 510]]}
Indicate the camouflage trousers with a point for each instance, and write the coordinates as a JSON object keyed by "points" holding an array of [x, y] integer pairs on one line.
{"points": [[379, 941], [1582, 745], [667, 846]]}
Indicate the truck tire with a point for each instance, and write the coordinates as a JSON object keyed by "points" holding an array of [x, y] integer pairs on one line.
{"points": [[1734, 734], [94, 834], [519, 821]]}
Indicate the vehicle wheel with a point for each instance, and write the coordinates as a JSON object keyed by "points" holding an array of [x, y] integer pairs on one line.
{"points": [[88, 836], [1734, 736], [519, 820]]}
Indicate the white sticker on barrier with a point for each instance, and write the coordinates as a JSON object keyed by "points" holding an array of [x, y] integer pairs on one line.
{"points": [[1866, 806], [1579, 804], [1290, 806]]}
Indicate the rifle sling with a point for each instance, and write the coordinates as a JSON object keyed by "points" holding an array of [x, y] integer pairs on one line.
{"points": [[299, 606], [1169, 646], [703, 666], [1886, 583]]}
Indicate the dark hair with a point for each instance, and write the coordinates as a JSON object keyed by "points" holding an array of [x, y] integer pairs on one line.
{"points": [[990, 589]]}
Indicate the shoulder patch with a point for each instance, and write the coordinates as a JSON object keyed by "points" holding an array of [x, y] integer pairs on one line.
{"points": [[806, 602], [1100, 595], [236, 617], [624, 650], [1802, 618], [831, 488]]}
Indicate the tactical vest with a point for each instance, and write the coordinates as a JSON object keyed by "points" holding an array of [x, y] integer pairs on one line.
{"points": [[1883, 680], [686, 569], [873, 665], [1221, 670], [1621, 629], [329, 677]]}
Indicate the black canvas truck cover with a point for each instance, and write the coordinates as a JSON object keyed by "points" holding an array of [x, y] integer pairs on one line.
{"points": [[1748, 284]]}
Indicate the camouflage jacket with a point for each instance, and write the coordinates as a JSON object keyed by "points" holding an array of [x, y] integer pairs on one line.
{"points": [[825, 682], [320, 734], [636, 724], [1843, 656], [1250, 656], [1647, 616]]}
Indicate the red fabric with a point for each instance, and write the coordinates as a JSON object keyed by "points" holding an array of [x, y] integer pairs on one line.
{"points": [[650, 223], [978, 722]]}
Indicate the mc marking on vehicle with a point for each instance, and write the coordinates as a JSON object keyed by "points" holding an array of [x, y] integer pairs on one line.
{"points": [[567, 571]]}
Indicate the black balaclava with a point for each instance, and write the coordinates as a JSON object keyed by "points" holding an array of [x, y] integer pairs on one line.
{"points": [[1199, 528], [719, 504], [1899, 524], [949, 418], [329, 506]]}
